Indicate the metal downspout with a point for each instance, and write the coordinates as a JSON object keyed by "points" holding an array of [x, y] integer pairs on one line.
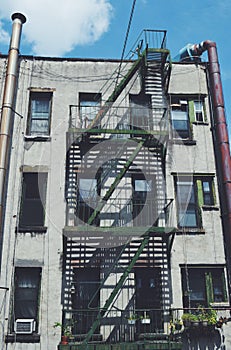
{"points": [[221, 143], [7, 107]]}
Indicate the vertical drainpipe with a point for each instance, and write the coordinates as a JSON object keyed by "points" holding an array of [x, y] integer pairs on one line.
{"points": [[7, 109], [222, 149]]}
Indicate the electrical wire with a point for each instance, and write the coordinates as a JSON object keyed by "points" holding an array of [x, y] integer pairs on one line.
{"points": [[125, 41]]}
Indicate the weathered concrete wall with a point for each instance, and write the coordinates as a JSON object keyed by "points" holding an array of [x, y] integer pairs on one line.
{"points": [[67, 78], [195, 248]]}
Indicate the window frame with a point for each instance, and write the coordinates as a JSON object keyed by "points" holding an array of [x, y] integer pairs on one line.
{"points": [[89, 104], [181, 108], [187, 103], [184, 207], [209, 281], [199, 194], [39, 96], [209, 193], [202, 201], [199, 114], [26, 275], [144, 210], [140, 111]]}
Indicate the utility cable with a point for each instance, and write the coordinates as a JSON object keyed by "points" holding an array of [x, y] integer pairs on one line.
{"points": [[125, 41]]}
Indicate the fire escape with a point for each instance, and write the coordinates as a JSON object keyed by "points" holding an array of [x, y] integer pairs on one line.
{"points": [[118, 232]]}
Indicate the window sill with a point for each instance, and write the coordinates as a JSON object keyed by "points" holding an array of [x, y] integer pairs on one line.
{"points": [[22, 338], [220, 304], [37, 138], [191, 230], [31, 229], [209, 207], [186, 142], [200, 123]]}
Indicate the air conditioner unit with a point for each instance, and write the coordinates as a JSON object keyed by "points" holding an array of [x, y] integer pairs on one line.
{"points": [[24, 326]]}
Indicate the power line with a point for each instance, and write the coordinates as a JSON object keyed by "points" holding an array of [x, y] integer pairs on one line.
{"points": [[125, 41]]}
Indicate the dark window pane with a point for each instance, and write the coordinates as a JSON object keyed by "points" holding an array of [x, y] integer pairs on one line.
{"points": [[27, 283], [207, 192], [86, 297], [218, 287], [197, 286], [199, 116], [33, 199], [198, 106]]}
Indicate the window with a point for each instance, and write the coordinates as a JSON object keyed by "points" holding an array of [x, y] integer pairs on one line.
{"points": [[140, 111], [86, 297], [208, 195], [26, 293], [89, 105], [32, 213], [144, 211], [148, 295], [180, 120], [39, 113], [186, 110], [192, 194], [86, 199], [186, 203], [143, 186], [202, 286], [199, 111], [88, 189]]}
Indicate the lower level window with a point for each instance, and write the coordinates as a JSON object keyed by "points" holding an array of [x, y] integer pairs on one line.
{"points": [[26, 297], [202, 286]]}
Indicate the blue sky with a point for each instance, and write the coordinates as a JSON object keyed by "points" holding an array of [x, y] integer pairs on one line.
{"points": [[97, 28]]}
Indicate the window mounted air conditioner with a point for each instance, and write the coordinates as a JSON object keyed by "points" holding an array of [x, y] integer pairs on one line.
{"points": [[24, 326]]}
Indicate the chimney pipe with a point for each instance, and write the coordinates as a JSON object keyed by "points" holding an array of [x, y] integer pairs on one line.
{"points": [[7, 108], [221, 138]]}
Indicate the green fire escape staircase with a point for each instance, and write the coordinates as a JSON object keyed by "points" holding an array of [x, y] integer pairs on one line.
{"points": [[141, 63]]}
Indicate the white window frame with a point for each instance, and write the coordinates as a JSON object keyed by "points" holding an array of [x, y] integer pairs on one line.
{"points": [[199, 110]]}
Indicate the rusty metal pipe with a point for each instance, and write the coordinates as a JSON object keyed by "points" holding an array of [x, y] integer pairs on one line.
{"points": [[221, 138], [7, 106]]}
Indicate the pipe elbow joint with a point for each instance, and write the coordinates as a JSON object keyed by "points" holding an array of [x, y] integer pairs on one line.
{"points": [[205, 45]]}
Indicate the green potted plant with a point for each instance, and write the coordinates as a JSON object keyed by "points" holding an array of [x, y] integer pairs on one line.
{"points": [[189, 319], [132, 319], [212, 317], [203, 316], [66, 332]]}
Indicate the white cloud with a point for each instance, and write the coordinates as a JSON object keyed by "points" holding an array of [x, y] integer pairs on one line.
{"points": [[54, 27], [4, 36]]}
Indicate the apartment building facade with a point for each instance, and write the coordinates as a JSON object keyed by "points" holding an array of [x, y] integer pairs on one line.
{"points": [[113, 225]]}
